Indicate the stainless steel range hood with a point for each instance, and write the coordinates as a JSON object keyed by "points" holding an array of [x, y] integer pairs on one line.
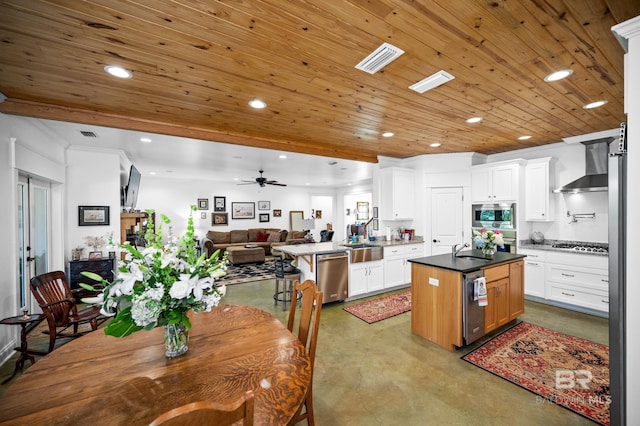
{"points": [[596, 165]]}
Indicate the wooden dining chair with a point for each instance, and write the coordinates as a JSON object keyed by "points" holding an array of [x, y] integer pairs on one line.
{"points": [[209, 413], [54, 296], [308, 326]]}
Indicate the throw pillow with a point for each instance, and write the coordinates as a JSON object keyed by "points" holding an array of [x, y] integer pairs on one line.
{"points": [[261, 237], [274, 237]]}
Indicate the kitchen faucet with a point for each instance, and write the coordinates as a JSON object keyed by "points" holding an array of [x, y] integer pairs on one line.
{"points": [[455, 250]]}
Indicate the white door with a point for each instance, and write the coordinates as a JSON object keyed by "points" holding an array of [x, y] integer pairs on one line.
{"points": [[33, 235], [446, 219]]}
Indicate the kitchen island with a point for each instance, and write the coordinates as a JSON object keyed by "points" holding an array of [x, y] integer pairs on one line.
{"points": [[438, 294]]}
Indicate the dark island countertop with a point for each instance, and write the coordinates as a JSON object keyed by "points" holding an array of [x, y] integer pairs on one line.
{"points": [[466, 261]]}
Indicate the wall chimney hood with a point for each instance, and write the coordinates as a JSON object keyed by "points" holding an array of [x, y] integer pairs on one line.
{"points": [[596, 164]]}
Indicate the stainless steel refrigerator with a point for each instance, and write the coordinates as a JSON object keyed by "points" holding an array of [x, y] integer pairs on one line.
{"points": [[617, 276]]}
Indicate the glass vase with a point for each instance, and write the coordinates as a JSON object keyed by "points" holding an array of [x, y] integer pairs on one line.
{"points": [[176, 337], [488, 250]]}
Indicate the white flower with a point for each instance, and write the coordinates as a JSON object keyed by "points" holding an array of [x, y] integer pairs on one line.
{"points": [[218, 273], [200, 286], [181, 289], [222, 290]]}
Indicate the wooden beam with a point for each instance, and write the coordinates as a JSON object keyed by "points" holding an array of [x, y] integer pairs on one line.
{"points": [[55, 112]]}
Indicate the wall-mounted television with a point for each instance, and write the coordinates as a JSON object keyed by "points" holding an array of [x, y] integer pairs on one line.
{"points": [[130, 192]]}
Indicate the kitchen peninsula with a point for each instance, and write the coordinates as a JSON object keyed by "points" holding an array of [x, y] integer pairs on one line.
{"points": [[443, 307]]}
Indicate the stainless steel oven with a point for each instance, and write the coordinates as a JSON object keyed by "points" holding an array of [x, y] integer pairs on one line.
{"points": [[496, 216]]}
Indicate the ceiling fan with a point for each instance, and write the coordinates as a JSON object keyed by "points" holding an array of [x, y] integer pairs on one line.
{"points": [[262, 181]]}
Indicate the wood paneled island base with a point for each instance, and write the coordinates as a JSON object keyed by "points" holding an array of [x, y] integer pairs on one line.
{"points": [[437, 295]]}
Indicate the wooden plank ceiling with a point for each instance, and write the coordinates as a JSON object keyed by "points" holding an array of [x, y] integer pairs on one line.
{"points": [[197, 63]]}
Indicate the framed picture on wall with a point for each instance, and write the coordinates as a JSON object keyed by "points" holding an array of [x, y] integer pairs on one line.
{"points": [[277, 213], [243, 210], [264, 205], [203, 215], [264, 217], [93, 215], [203, 204], [219, 204], [219, 219]]}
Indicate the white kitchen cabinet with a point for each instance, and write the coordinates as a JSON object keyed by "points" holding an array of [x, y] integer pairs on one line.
{"points": [[397, 193], [397, 268], [534, 272], [578, 279], [494, 183], [365, 277], [538, 199]]}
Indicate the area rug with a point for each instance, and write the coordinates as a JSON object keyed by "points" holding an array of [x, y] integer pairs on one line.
{"points": [[248, 272], [382, 308], [559, 369]]}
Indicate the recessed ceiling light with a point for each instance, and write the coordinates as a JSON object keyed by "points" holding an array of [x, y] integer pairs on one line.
{"points": [[474, 120], [524, 137], [558, 75], [147, 140], [387, 134], [435, 144], [431, 82], [117, 71], [257, 104], [283, 156], [594, 104], [152, 173]]}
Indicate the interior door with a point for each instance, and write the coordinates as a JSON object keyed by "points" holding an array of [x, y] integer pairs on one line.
{"points": [[33, 235], [446, 219]]}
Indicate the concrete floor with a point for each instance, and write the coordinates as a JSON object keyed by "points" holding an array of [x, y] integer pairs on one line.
{"points": [[381, 374]]}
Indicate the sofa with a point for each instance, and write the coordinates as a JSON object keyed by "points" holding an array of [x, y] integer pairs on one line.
{"points": [[262, 237]]}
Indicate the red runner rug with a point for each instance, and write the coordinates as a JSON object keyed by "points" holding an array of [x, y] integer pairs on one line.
{"points": [[560, 369], [382, 308]]}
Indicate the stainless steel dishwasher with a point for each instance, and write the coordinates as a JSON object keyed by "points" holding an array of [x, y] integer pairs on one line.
{"points": [[332, 275], [472, 312]]}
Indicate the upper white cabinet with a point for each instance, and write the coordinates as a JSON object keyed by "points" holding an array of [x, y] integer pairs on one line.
{"points": [[538, 200], [397, 193], [493, 183]]}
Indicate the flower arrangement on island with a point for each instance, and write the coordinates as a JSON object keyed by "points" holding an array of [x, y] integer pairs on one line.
{"points": [[158, 284], [487, 240]]}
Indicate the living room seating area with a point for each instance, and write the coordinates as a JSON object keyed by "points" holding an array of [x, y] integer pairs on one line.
{"points": [[261, 237]]}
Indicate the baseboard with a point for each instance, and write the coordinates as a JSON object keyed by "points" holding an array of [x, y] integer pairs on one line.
{"points": [[568, 306]]}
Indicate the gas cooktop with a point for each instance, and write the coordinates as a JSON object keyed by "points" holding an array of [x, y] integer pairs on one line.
{"points": [[583, 247]]}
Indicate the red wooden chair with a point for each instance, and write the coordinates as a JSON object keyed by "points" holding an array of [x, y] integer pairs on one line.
{"points": [[54, 296]]}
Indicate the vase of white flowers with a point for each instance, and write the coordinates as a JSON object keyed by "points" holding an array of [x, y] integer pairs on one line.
{"points": [[487, 240], [158, 285]]}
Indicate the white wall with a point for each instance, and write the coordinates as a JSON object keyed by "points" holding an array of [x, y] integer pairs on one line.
{"points": [[172, 197], [93, 179]]}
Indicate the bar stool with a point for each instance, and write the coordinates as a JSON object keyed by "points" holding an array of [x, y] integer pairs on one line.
{"points": [[287, 275]]}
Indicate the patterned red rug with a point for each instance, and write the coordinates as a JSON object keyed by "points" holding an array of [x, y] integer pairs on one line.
{"points": [[382, 308], [560, 369]]}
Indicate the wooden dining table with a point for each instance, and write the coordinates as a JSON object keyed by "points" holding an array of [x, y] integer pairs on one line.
{"points": [[102, 380]]}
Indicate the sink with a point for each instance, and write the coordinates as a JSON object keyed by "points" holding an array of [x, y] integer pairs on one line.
{"points": [[364, 252], [359, 245], [484, 259]]}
